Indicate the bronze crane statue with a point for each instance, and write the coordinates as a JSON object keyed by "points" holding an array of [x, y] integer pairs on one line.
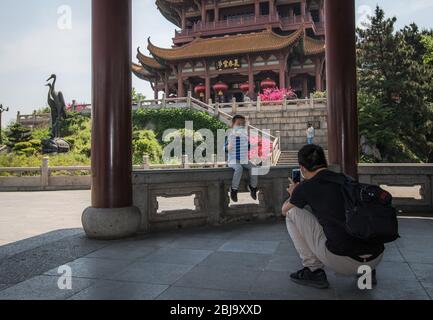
{"points": [[57, 104]]}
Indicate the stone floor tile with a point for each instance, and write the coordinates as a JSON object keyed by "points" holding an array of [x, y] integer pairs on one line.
{"points": [[118, 290], [43, 288], [262, 247]]}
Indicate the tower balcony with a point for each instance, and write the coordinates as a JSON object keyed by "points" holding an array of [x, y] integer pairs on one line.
{"points": [[248, 23]]}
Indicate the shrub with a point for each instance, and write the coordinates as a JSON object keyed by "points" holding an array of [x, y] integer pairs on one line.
{"points": [[320, 95], [161, 120], [145, 143], [27, 151], [21, 146]]}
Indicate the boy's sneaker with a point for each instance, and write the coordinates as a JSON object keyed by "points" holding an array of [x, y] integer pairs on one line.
{"points": [[234, 195], [306, 277], [253, 192]]}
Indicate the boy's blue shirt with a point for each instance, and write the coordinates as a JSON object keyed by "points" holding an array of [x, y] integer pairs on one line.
{"points": [[241, 148]]}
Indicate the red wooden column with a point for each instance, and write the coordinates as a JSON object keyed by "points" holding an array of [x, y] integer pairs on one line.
{"points": [[341, 81], [257, 8], [112, 214], [251, 78], [318, 75]]}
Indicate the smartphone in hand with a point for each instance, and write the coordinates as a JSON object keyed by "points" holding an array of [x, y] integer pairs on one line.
{"points": [[296, 175]]}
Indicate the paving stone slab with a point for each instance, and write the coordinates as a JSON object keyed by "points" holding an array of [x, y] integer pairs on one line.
{"points": [[28, 264], [196, 242], [284, 263], [347, 289], [43, 288], [423, 271], [429, 288], [183, 293], [233, 260], [123, 251], [34, 242], [152, 273], [178, 256], [118, 290], [220, 279], [262, 247], [93, 268], [395, 271]]}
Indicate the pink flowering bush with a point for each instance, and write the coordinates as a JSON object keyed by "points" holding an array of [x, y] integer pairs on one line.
{"points": [[77, 107], [275, 94], [261, 148]]}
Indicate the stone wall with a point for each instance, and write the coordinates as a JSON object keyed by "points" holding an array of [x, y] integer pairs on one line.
{"points": [[292, 123]]}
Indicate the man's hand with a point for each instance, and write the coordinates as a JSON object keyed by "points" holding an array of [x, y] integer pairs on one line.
{"points": [[287, 205], [292, 188]]}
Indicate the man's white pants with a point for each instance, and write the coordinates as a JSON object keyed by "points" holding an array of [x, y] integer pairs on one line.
{"points": [[310, 242]]}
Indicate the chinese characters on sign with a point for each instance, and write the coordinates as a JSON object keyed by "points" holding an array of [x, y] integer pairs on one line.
{"points": [[227, 64]]}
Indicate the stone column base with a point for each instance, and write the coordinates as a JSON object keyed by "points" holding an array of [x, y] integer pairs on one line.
{"points": [[111, 224]]}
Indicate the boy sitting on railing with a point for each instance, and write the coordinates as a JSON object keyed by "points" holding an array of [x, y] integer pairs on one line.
{"points": [[237, 147]]}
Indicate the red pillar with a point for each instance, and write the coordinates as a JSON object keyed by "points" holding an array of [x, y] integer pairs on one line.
{"points": [[282, 75], [111, 139], [303, 9], [112, 214], [203, 12], [257, 8], [341, 81], [318, 75], [251, 79]]}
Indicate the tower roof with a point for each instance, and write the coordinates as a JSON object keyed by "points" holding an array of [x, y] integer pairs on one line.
{"points": [[264, 41], [141, 73], [149, 63]]}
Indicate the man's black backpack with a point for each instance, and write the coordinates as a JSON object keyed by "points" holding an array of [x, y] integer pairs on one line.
{"points": [[370, 215]]}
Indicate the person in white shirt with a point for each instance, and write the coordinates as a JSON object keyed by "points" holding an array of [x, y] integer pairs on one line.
{"points": [[311, 132]]}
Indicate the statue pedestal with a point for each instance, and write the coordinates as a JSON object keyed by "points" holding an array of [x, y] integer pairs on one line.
{"points": [[56, 145]]}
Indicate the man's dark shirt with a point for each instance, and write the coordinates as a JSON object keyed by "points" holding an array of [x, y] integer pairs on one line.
{"points": [[326, 201]]}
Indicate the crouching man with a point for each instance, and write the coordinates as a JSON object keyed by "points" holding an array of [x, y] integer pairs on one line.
{"points": [[315, 219]]}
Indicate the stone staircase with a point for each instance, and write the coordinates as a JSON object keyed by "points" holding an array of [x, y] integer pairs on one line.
{"points": [[291, 158]]}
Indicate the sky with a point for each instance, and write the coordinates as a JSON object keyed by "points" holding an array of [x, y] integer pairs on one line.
{"points": [[38, 38]]}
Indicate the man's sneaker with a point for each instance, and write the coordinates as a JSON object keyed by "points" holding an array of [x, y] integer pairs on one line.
{"points": [[306, 277], [253, 192], [234, 195]]}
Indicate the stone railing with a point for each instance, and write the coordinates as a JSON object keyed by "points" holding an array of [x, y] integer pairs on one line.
{"points": [[33, 120], [199, 192], [410, 184], [48, 177], [173, 199]]}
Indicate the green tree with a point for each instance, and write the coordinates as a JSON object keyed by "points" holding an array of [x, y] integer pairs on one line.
{"points": [[144, 142], [137, 96], [398, 83], [427, 41], [16, 133]]}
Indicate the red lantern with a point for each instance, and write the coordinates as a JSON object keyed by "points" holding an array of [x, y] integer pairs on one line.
{"points": [[220, 88], [200, 90], [245, 87], [268, 84]]}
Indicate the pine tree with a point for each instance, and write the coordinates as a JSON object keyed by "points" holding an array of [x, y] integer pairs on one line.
{"points": [[391, 71], [17, 134]]}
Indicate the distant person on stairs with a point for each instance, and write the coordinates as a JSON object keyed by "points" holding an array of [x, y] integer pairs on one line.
{"points": [[311, 133]]}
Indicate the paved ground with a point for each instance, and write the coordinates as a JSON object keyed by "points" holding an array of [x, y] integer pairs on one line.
{"points": [[232, 262], [35, 213]]}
